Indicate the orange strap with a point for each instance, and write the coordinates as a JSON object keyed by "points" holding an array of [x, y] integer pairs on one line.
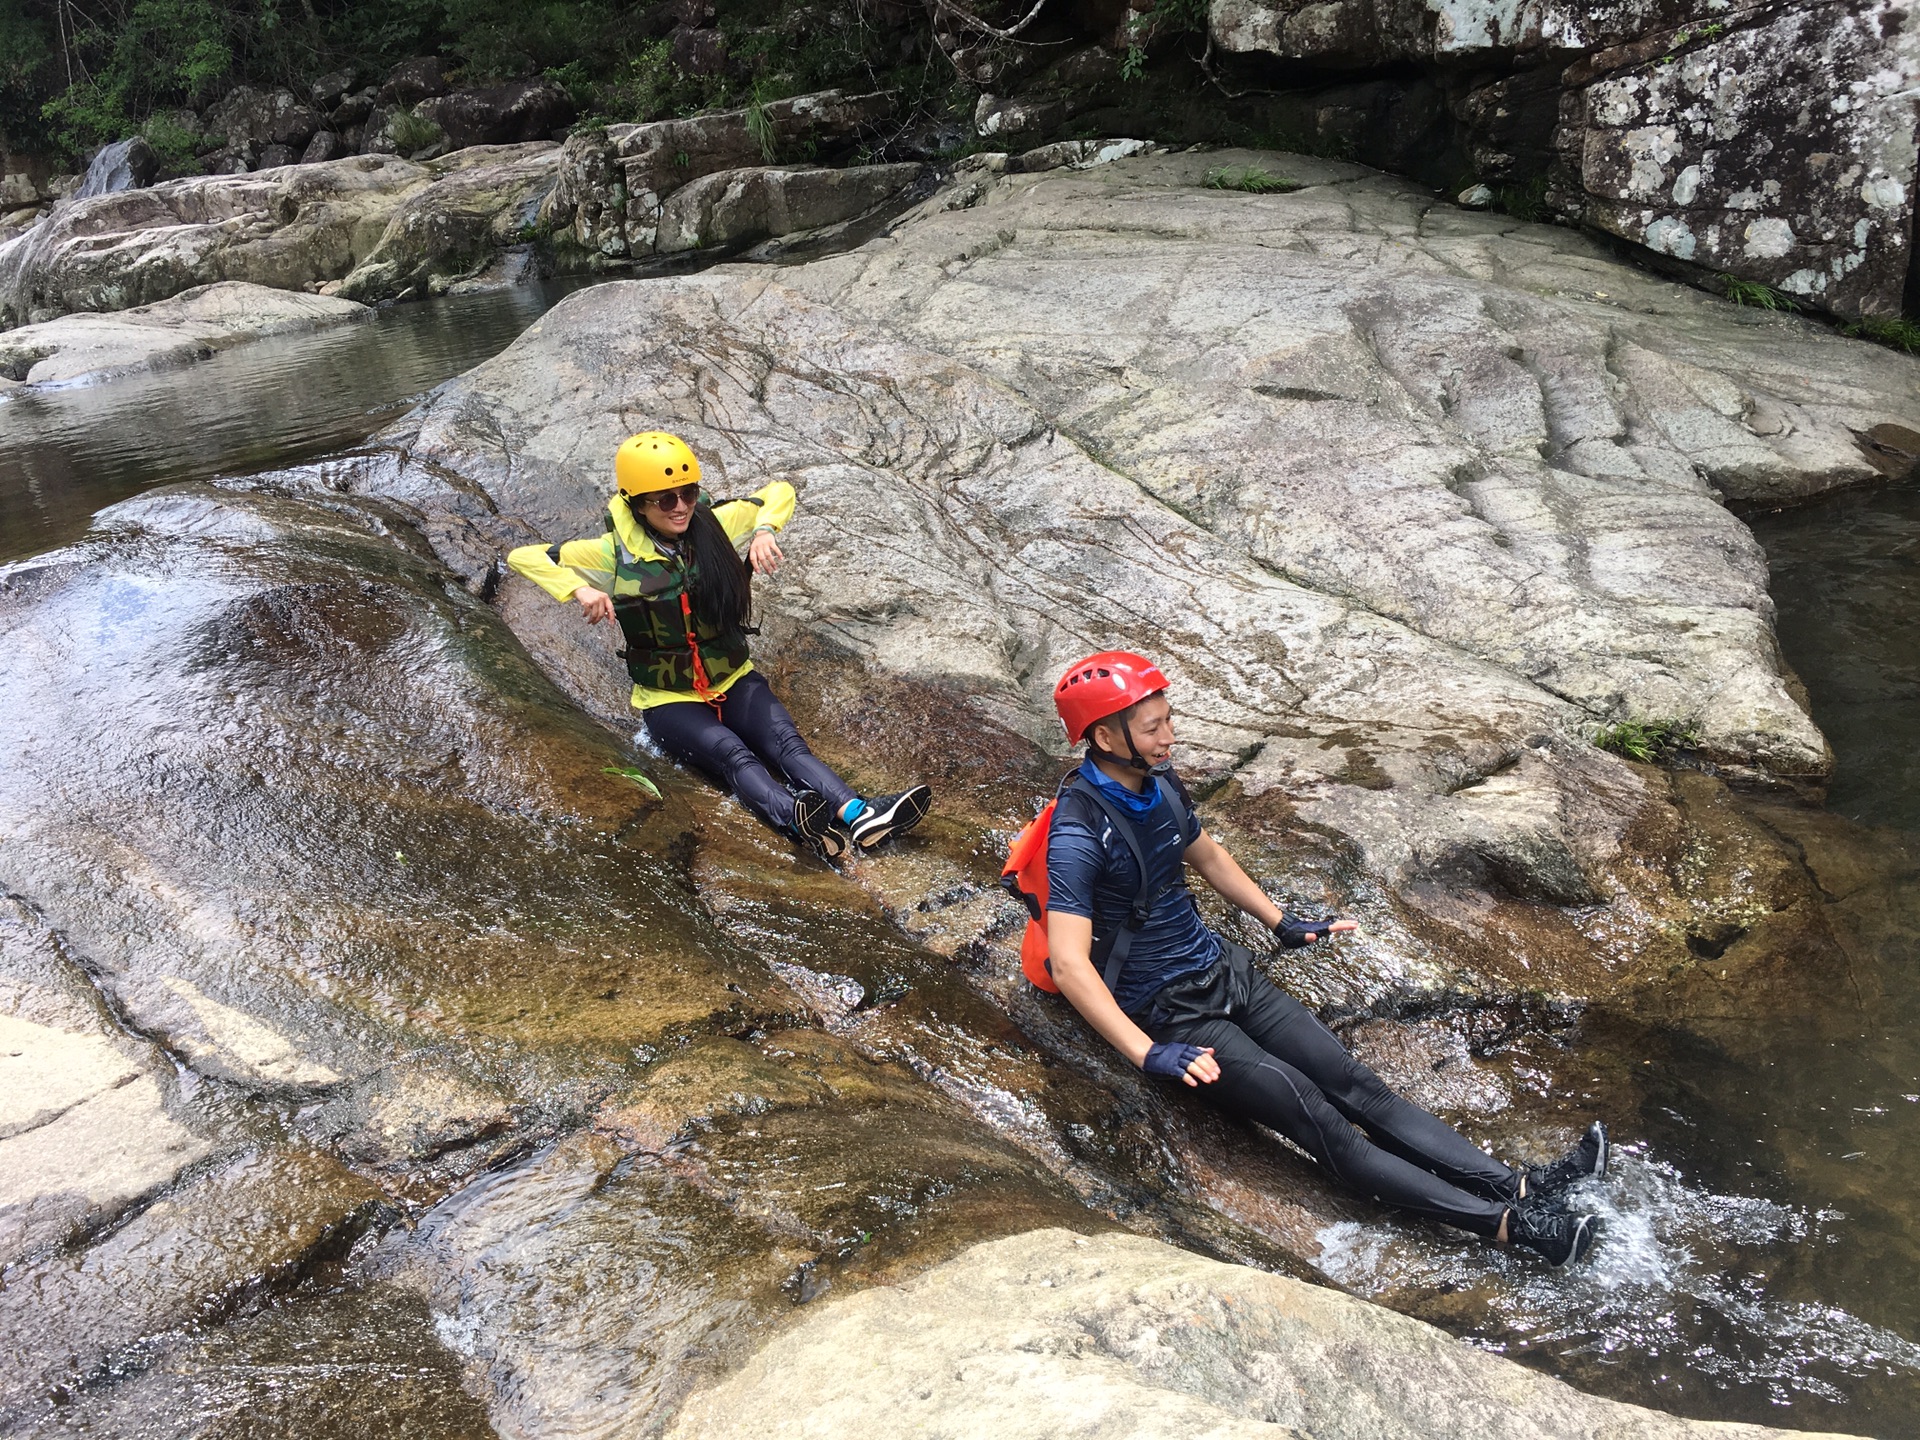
{"points": [[700, 685]]}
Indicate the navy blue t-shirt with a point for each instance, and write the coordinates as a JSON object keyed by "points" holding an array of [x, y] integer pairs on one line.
{"points": [[1091, 872]]}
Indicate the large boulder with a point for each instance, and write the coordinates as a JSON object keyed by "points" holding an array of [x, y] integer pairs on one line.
{"points": [[1446, 493], [1109, 1337], [480, 201], [508, 114], [1782, 149], [737, 206], [189, 326], [291, 229], [252, 120], [614, 182]]}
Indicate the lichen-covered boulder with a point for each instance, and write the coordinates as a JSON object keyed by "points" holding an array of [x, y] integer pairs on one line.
{"points": [[1781, 149], [736, 206]]}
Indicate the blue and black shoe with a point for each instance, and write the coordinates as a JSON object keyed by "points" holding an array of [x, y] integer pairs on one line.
{"points": [[886, 815]]}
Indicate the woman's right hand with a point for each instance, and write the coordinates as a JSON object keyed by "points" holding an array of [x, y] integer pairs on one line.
{"points": [[597, 605]]}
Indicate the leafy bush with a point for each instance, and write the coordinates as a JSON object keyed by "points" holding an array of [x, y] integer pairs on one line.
{"points": [[1525, 201], [1652, 742], [175, 142], [1250, 178]]}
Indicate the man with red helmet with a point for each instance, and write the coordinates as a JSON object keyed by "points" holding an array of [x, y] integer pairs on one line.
{"points": [[1128, 948]]}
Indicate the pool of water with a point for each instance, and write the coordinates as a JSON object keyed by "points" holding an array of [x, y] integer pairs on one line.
{"points": [[1846, 578], [66, 453]]}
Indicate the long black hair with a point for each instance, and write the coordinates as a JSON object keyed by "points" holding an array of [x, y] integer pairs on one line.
{"points": [[723, 600]]}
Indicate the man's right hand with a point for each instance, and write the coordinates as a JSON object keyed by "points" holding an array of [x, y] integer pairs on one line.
{"points": [[597, 605], [1182, 1062]]}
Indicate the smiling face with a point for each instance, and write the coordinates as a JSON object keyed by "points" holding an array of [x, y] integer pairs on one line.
{"points": [[669, 512], [1151, 724]]}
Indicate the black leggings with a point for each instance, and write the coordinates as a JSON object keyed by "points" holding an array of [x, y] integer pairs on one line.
{"points": [[1282, 1067], [742, 746]]}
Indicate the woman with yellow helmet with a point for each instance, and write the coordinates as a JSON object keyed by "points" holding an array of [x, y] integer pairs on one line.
{"points": [[669, 572]]}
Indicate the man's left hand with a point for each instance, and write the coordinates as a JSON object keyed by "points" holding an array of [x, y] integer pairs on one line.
{"points": [[1297, 931]]}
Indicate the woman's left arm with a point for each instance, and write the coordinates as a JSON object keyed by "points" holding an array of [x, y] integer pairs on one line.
{"points": [[769, 509]]}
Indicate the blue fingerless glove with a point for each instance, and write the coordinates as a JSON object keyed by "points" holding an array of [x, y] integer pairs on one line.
{"points": [[1170, 1058], [1293, 930]]}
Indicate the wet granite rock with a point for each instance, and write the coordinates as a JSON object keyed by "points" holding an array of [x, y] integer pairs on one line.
{"points": [[1053, 1333], [1524, 536], [189, 326], [124, 165]]}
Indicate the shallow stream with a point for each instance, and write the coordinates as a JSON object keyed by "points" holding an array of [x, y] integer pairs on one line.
{"points": [[1764, 1216]]}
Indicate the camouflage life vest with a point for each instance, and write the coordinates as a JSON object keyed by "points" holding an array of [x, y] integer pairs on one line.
{"points": [[653, 601]]}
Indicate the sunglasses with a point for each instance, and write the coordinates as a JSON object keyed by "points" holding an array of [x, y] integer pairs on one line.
{"points": [[683, 498]]}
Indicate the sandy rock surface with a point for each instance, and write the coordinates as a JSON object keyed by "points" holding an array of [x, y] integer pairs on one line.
{"points": [[1053, 1333], [189, 326]]}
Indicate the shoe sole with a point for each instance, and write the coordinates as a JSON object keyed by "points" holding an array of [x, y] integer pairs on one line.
{"points": [[908, 811], [1586, 1230]]}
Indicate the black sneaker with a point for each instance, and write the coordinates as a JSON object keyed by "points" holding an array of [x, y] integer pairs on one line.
{"points": [[1563, 1239], [1589, 1157], [891, 815], [815, 822]]}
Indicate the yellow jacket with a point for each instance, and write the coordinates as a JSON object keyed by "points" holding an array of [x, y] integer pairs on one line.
{"points": [[562, 569]]}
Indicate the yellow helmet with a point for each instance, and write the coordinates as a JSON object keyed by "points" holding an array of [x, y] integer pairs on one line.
{"points": [[654, 460]]}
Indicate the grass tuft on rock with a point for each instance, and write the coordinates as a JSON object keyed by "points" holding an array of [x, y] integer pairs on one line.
{"points": [[1902, 335], [1652, 742], [1250, 178], [1754, 293]]}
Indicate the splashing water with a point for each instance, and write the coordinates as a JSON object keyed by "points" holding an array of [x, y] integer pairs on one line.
{"points": [[1678, 1277]]}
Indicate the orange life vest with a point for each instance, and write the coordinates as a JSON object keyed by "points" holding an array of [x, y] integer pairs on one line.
{"points": [[1025, 878]]}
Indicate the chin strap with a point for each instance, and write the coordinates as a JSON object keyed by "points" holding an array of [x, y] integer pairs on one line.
{"points": [[1138, 762]]}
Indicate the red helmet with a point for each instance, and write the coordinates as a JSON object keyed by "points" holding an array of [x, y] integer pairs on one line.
{"points": [[1103, 685]]}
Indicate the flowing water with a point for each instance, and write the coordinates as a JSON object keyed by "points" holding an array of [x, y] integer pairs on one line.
{"points": [[1764, 1211], [1762, 1253]]}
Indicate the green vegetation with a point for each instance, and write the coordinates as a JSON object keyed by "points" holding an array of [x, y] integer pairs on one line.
{"points": [[638, 777], [1754, 293], [1524, 201], [1903, 335], [73, 77], [413, 132], [1250, 178], [760, 127], [1166, 18], [1652, 742]]}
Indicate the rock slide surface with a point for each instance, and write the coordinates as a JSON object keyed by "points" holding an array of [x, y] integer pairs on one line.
{"points": [[448, 1081], [1410, 500], [1053, 1333]]}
